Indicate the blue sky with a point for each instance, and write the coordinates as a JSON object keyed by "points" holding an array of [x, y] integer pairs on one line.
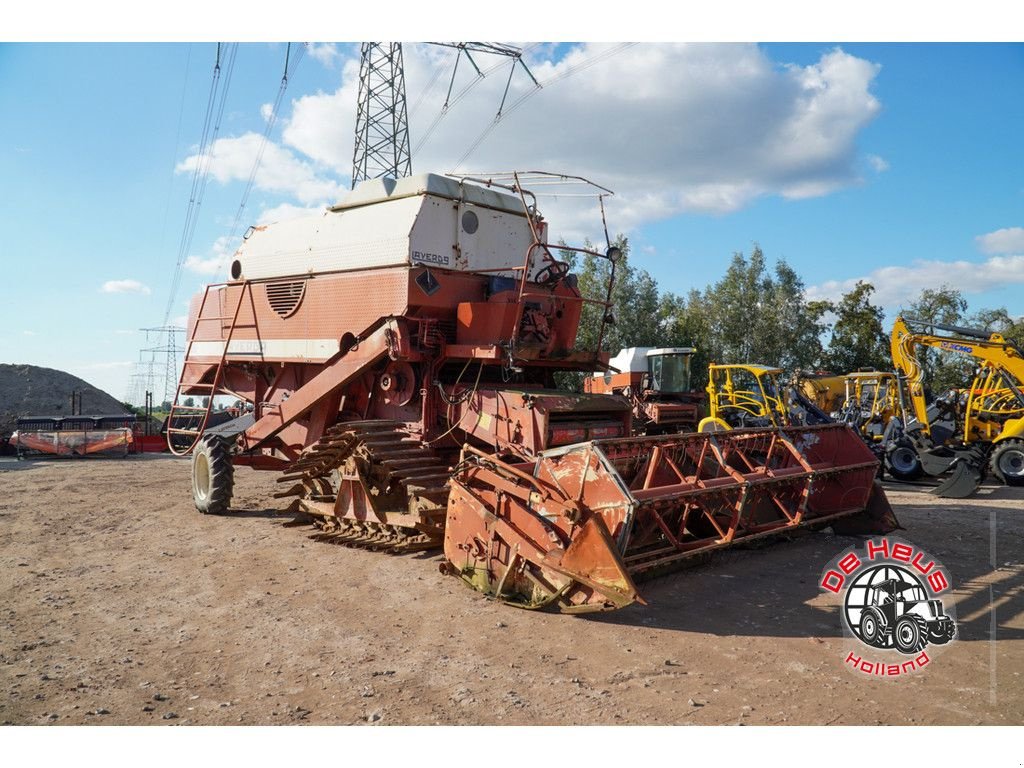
{"points": [[913, 153]]}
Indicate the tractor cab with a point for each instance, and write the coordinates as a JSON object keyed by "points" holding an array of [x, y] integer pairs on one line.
{"points": [[896, 591], [743, 396]]}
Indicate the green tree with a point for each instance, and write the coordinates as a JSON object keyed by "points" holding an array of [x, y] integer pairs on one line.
{"points": [[754, 316], [859, 339], [685, 322], [943, 371], [635, 304], [735, 307], [792, 326]]}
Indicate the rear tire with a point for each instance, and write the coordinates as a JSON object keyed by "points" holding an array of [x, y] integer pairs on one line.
{"points": [[903, 463], [1007, 462], [870, 629], [213, 476]]}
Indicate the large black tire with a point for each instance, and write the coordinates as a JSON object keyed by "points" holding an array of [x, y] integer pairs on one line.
{"points": [[871, 629], [213, 476], [1007, 462], [941, 637], [910, 634], [903, 463]]}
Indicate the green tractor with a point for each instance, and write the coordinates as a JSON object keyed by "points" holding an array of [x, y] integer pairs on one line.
{"points": [[901, 611]]}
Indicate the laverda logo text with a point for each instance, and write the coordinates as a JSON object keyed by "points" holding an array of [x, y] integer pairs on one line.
{"points": [[429, 258]]}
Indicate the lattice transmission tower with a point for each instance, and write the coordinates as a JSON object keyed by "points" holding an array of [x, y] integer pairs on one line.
{"points": [[382, 122], [170, 351], [381, 146]]}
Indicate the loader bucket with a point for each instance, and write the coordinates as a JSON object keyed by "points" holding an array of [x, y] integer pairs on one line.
{"points": [[574, 529]]}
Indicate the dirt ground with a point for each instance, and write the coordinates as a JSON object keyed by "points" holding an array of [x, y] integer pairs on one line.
{"points": [[122, 605]]}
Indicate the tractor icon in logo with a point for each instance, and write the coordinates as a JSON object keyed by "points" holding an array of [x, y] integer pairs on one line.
{"points": [[887, 607]]}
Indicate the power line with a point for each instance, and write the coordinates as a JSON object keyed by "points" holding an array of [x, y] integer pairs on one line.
{"points": [[201, 173], [289, 71], [466, 48], [569, 72]]}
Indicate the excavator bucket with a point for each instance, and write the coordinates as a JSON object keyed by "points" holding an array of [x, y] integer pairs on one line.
{"points": [[966, 472], [575, 529]]}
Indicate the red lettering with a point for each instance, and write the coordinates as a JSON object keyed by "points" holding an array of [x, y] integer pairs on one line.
{"points": [[937, 581], [849, 563], [923, 656], [917, 563], [894, 669], [901, 552], [833, 581], [867, 667], [854, 659], [874, 549], [912, 666]]}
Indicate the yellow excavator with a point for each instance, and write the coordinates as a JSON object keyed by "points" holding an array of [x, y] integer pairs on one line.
{"points": [[988, 433]]}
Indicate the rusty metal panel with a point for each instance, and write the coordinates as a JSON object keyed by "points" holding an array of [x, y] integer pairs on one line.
{"points": [[661, 500], [311, 331]]}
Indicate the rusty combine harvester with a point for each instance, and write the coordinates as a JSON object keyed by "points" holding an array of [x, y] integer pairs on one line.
{"points": [[395, 357]]}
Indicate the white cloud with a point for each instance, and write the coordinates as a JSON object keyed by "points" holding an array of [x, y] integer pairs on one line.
{"points": [[1007, 240], [215, 262], [125, 286], [899, 285], [670, 127], [879, 164], [325, 53], [287, 211], [280, 171], [322, 125], [29, 333]]}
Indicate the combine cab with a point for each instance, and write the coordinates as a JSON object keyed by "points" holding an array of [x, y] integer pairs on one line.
{"points": [[657, 384], [394, 358]]}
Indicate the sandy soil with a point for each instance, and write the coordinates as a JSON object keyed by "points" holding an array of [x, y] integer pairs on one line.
{"points": [[122, 605]]}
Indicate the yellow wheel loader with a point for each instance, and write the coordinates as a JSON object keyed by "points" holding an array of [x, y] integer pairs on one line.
{"points": [[874, 405], [747, 395]]}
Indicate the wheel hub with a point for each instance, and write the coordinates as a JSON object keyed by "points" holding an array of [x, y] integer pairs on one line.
{"points": [[903, 460], [201, 475], [1012, 463]]}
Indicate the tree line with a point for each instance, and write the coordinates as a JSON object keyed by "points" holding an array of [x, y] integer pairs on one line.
{"points": [[758, 313]]}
